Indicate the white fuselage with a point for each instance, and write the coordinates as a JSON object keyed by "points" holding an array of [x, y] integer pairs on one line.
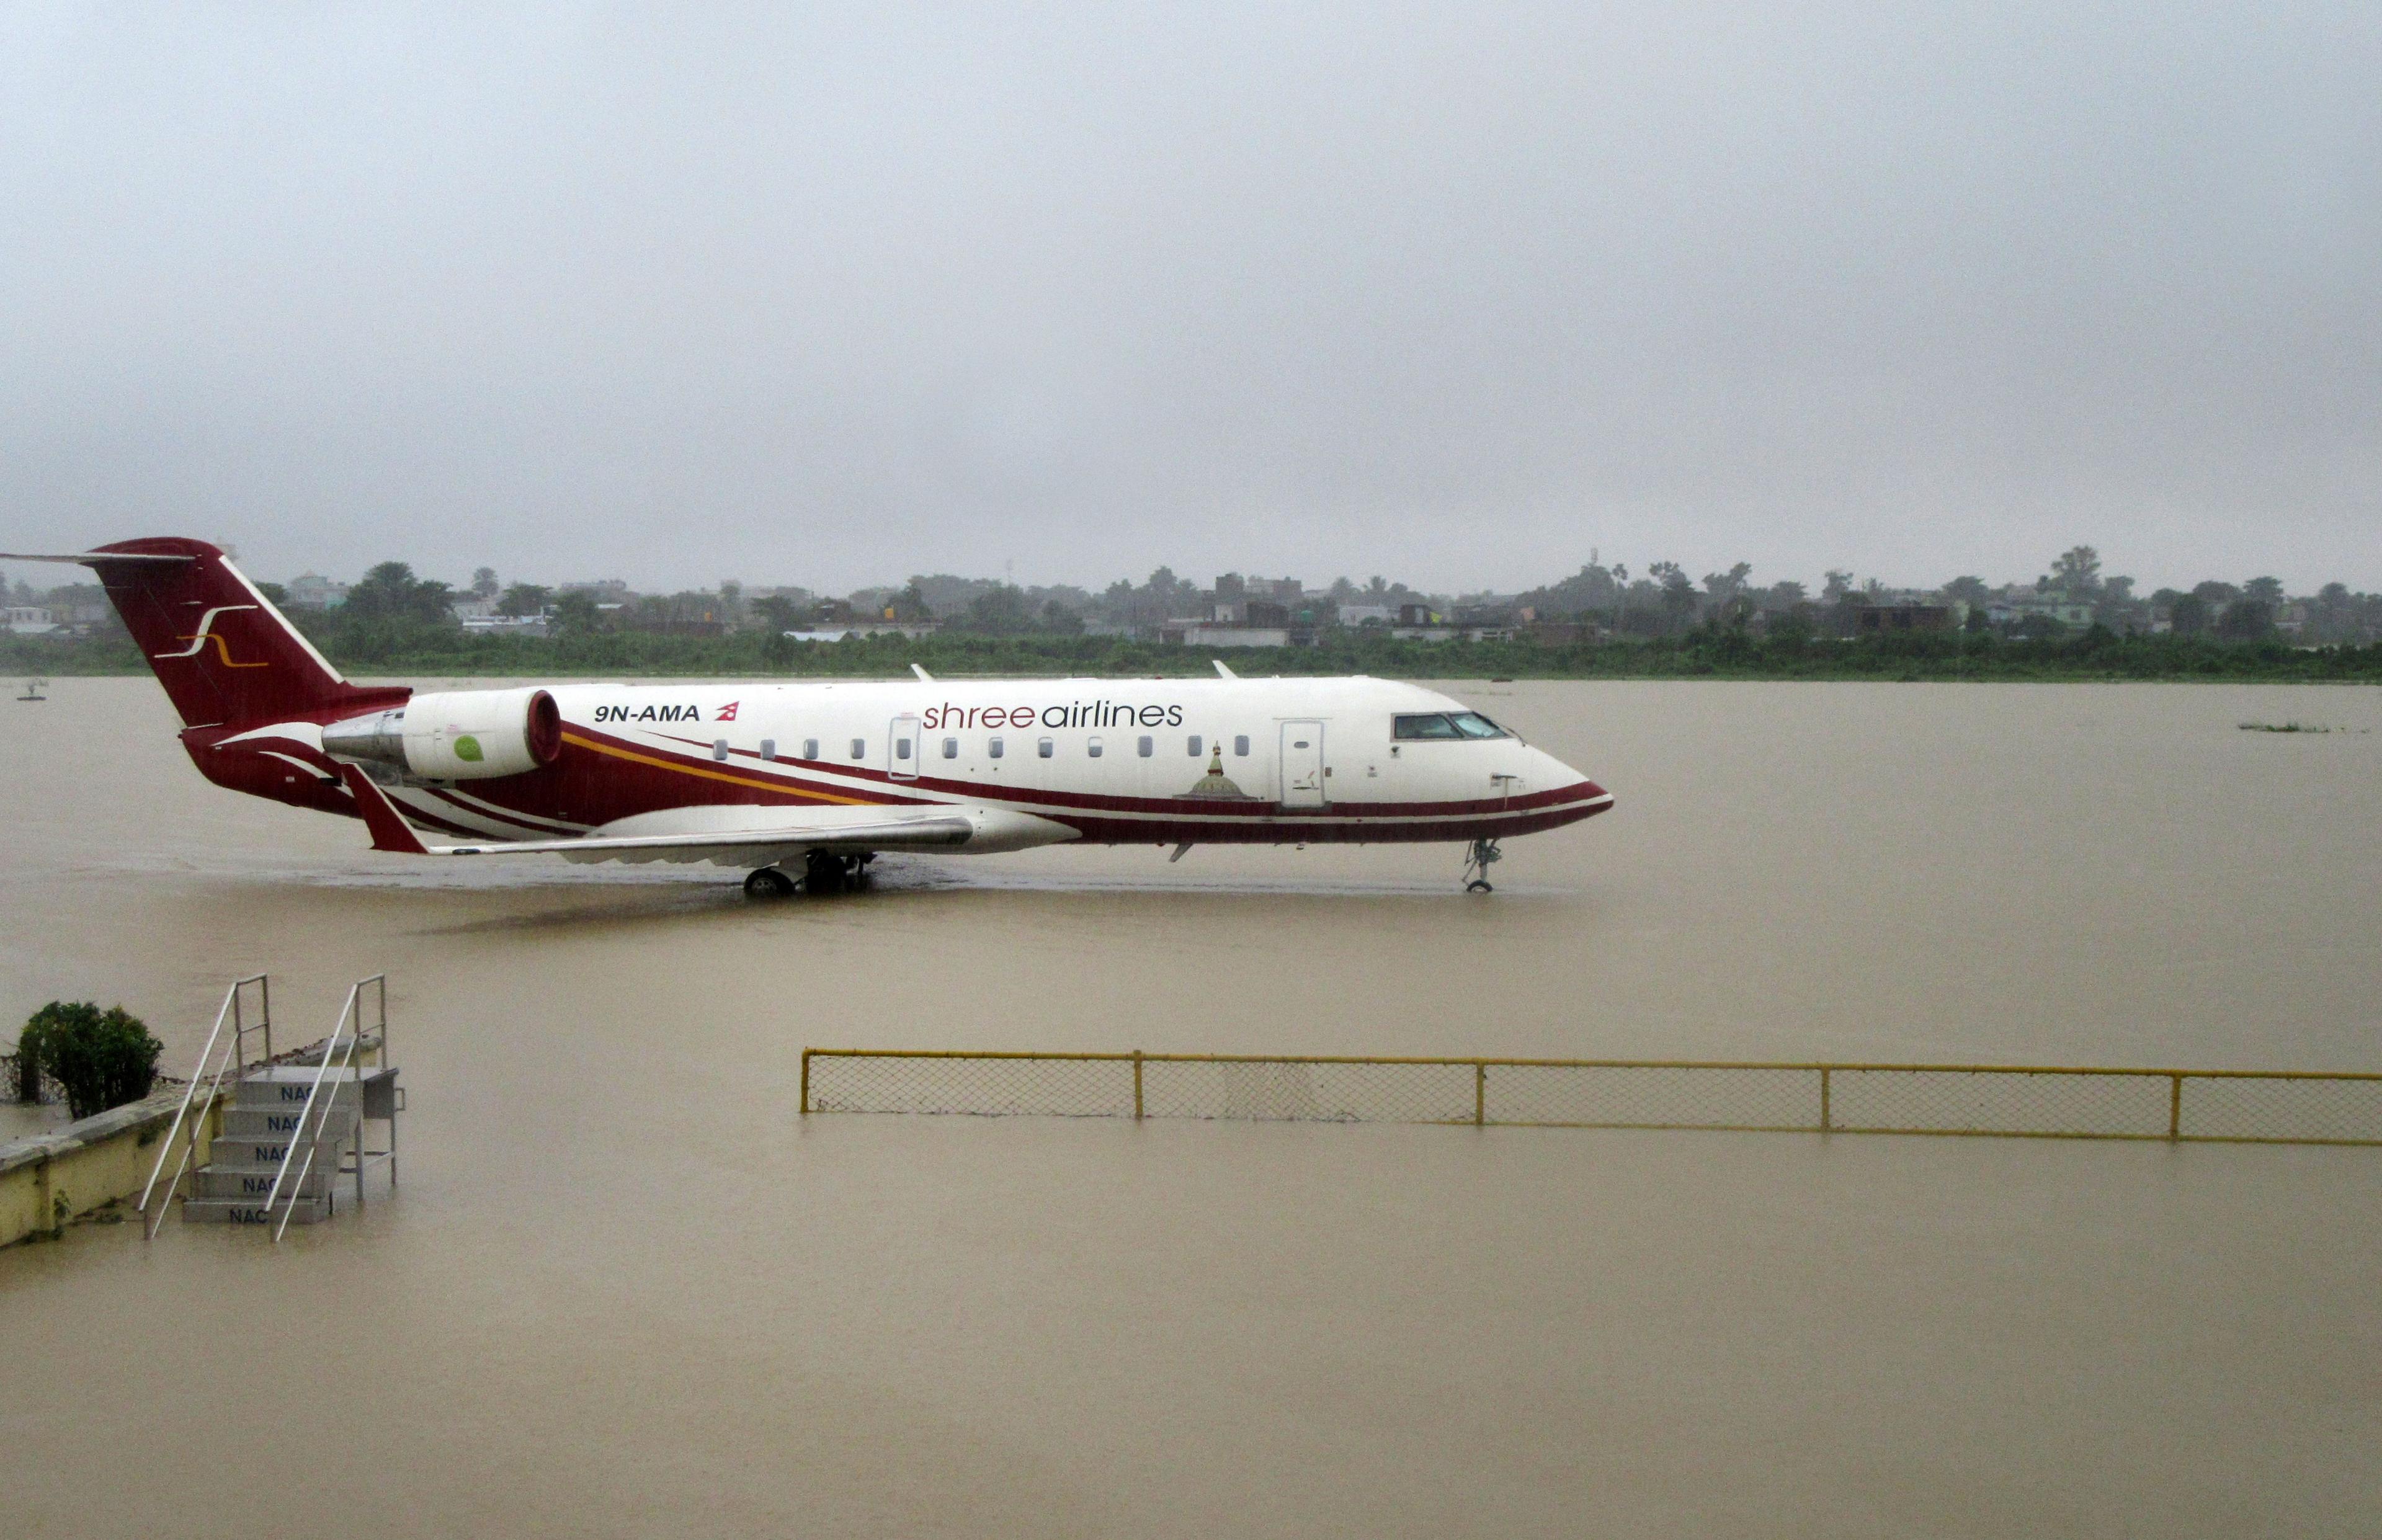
{"points": [[1166, 761]]}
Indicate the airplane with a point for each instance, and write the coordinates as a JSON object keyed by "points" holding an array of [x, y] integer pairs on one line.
{"points": [[771, 776]]}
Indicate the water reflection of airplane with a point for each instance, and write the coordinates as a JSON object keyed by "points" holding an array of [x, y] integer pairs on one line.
{"points": [[818, 778]]}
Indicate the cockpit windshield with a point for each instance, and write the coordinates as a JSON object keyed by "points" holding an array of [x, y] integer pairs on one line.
{"points": [[1445, 725]]}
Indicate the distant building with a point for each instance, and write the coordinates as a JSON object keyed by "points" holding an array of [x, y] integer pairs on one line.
{"points": [[313, 590], [1208, 633], [837, 631], [1877, 619], [30, 621], [1359, 614], [2010, 609], [504, 625]]}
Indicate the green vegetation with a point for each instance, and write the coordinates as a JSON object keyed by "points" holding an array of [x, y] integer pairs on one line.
{"points": [[104, 1058], [2073, 624], [417, 648]]}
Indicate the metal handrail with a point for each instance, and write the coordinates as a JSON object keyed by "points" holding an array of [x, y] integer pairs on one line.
{"points": [[1494, 1062], [352, 1006], [302, 1172], [1830, 1074], [230, 1007]]}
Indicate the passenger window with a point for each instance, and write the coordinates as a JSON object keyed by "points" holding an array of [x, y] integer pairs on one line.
{"points": [[860, 748], [1044, 749], [719, 748], [1193, 742], [1241, 747], [1149, 746], [993, 748], [768, 748], [1093, 749], [900, 748], [951, 748], [810, 748]]}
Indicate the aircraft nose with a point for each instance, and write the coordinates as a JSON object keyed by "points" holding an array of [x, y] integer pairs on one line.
{"points": [[1574, 786]]}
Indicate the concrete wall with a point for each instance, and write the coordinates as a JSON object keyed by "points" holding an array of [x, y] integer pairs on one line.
{"points": [[91, 1163]]}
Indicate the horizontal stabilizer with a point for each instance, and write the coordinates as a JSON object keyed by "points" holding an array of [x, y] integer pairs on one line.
{"points": [[89, 558]]}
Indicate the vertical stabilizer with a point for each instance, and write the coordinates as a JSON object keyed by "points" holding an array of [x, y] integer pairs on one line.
{"points": [[223, 652]]}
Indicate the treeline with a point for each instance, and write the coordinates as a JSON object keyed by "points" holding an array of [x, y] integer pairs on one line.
{"points": [[1706, 652]]}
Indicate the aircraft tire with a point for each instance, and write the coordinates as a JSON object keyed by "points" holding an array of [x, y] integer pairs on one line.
{"points": [[769, 883]]}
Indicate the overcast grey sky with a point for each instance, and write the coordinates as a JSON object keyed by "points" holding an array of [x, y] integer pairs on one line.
{"points": [[1453, 293]]}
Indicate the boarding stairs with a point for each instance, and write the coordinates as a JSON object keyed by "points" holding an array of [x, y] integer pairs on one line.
{"points": [[289, 1128]]}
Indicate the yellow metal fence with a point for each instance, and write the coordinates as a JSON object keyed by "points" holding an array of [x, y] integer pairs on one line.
{"points": [[2187, 1105]]}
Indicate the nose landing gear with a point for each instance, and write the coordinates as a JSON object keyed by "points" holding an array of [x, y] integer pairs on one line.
{"points": [[1483, 855]]}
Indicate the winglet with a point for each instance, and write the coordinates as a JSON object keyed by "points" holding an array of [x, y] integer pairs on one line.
{"points": [[1223, 672], [923, 678], [389, 832]]}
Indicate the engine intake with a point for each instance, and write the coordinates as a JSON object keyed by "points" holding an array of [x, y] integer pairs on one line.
{"points": [[459, 735]]}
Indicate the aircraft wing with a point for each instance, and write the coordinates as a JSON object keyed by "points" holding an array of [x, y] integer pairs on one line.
{"points": [[773, 830]]}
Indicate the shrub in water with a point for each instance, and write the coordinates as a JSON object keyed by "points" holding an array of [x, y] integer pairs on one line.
{"points": [[104, 1058]]}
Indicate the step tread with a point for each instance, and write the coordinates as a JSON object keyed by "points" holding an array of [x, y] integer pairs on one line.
{"points": [[335, 1117], [224, 1185], [304, 1074], [302, 1211]]}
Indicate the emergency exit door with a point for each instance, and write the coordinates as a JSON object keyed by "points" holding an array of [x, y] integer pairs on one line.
{"points": [[1302, 764]]}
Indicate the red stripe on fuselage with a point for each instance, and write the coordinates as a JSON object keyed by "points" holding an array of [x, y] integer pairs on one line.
{"points": [[1172, 807], [600, 779]]}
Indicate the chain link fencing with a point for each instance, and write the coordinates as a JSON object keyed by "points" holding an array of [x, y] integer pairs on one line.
{"points": [[2186, 1106]]}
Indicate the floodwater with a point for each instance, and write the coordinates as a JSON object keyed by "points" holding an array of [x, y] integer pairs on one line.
{"points": [[624, 1291]]}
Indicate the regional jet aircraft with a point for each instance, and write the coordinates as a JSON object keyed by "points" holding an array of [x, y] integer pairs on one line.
{"points": [[818, 779]]}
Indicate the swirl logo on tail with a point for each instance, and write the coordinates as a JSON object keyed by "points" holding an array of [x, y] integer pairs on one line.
{"points": [[205, 634]]}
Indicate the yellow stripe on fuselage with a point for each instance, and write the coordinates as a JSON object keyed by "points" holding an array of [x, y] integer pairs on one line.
{"points": [[715, 775]]}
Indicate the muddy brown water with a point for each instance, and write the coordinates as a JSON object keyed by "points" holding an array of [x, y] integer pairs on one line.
{"points": [[625, 1290]]}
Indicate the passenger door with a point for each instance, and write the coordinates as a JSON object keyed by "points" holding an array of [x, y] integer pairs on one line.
{"points": [[1302, 764], [902, 741]]}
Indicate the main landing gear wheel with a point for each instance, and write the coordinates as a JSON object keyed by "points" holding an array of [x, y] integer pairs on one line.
{"points": [[1482, 856], [822, 873], [826, 872], [769, 883]]}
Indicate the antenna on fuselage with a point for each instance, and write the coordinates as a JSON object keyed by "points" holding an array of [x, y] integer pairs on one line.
{"points": [[1223, 672], [923, 678]]}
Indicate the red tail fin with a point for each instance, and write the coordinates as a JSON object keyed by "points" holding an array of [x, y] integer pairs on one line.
{"points": [[221, 650]]}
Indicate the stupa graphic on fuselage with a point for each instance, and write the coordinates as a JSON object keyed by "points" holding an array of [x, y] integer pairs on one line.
{"points": [[1216, 783]]}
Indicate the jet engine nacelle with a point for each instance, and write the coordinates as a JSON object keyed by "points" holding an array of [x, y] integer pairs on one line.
{"points": [[458, 735]]}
